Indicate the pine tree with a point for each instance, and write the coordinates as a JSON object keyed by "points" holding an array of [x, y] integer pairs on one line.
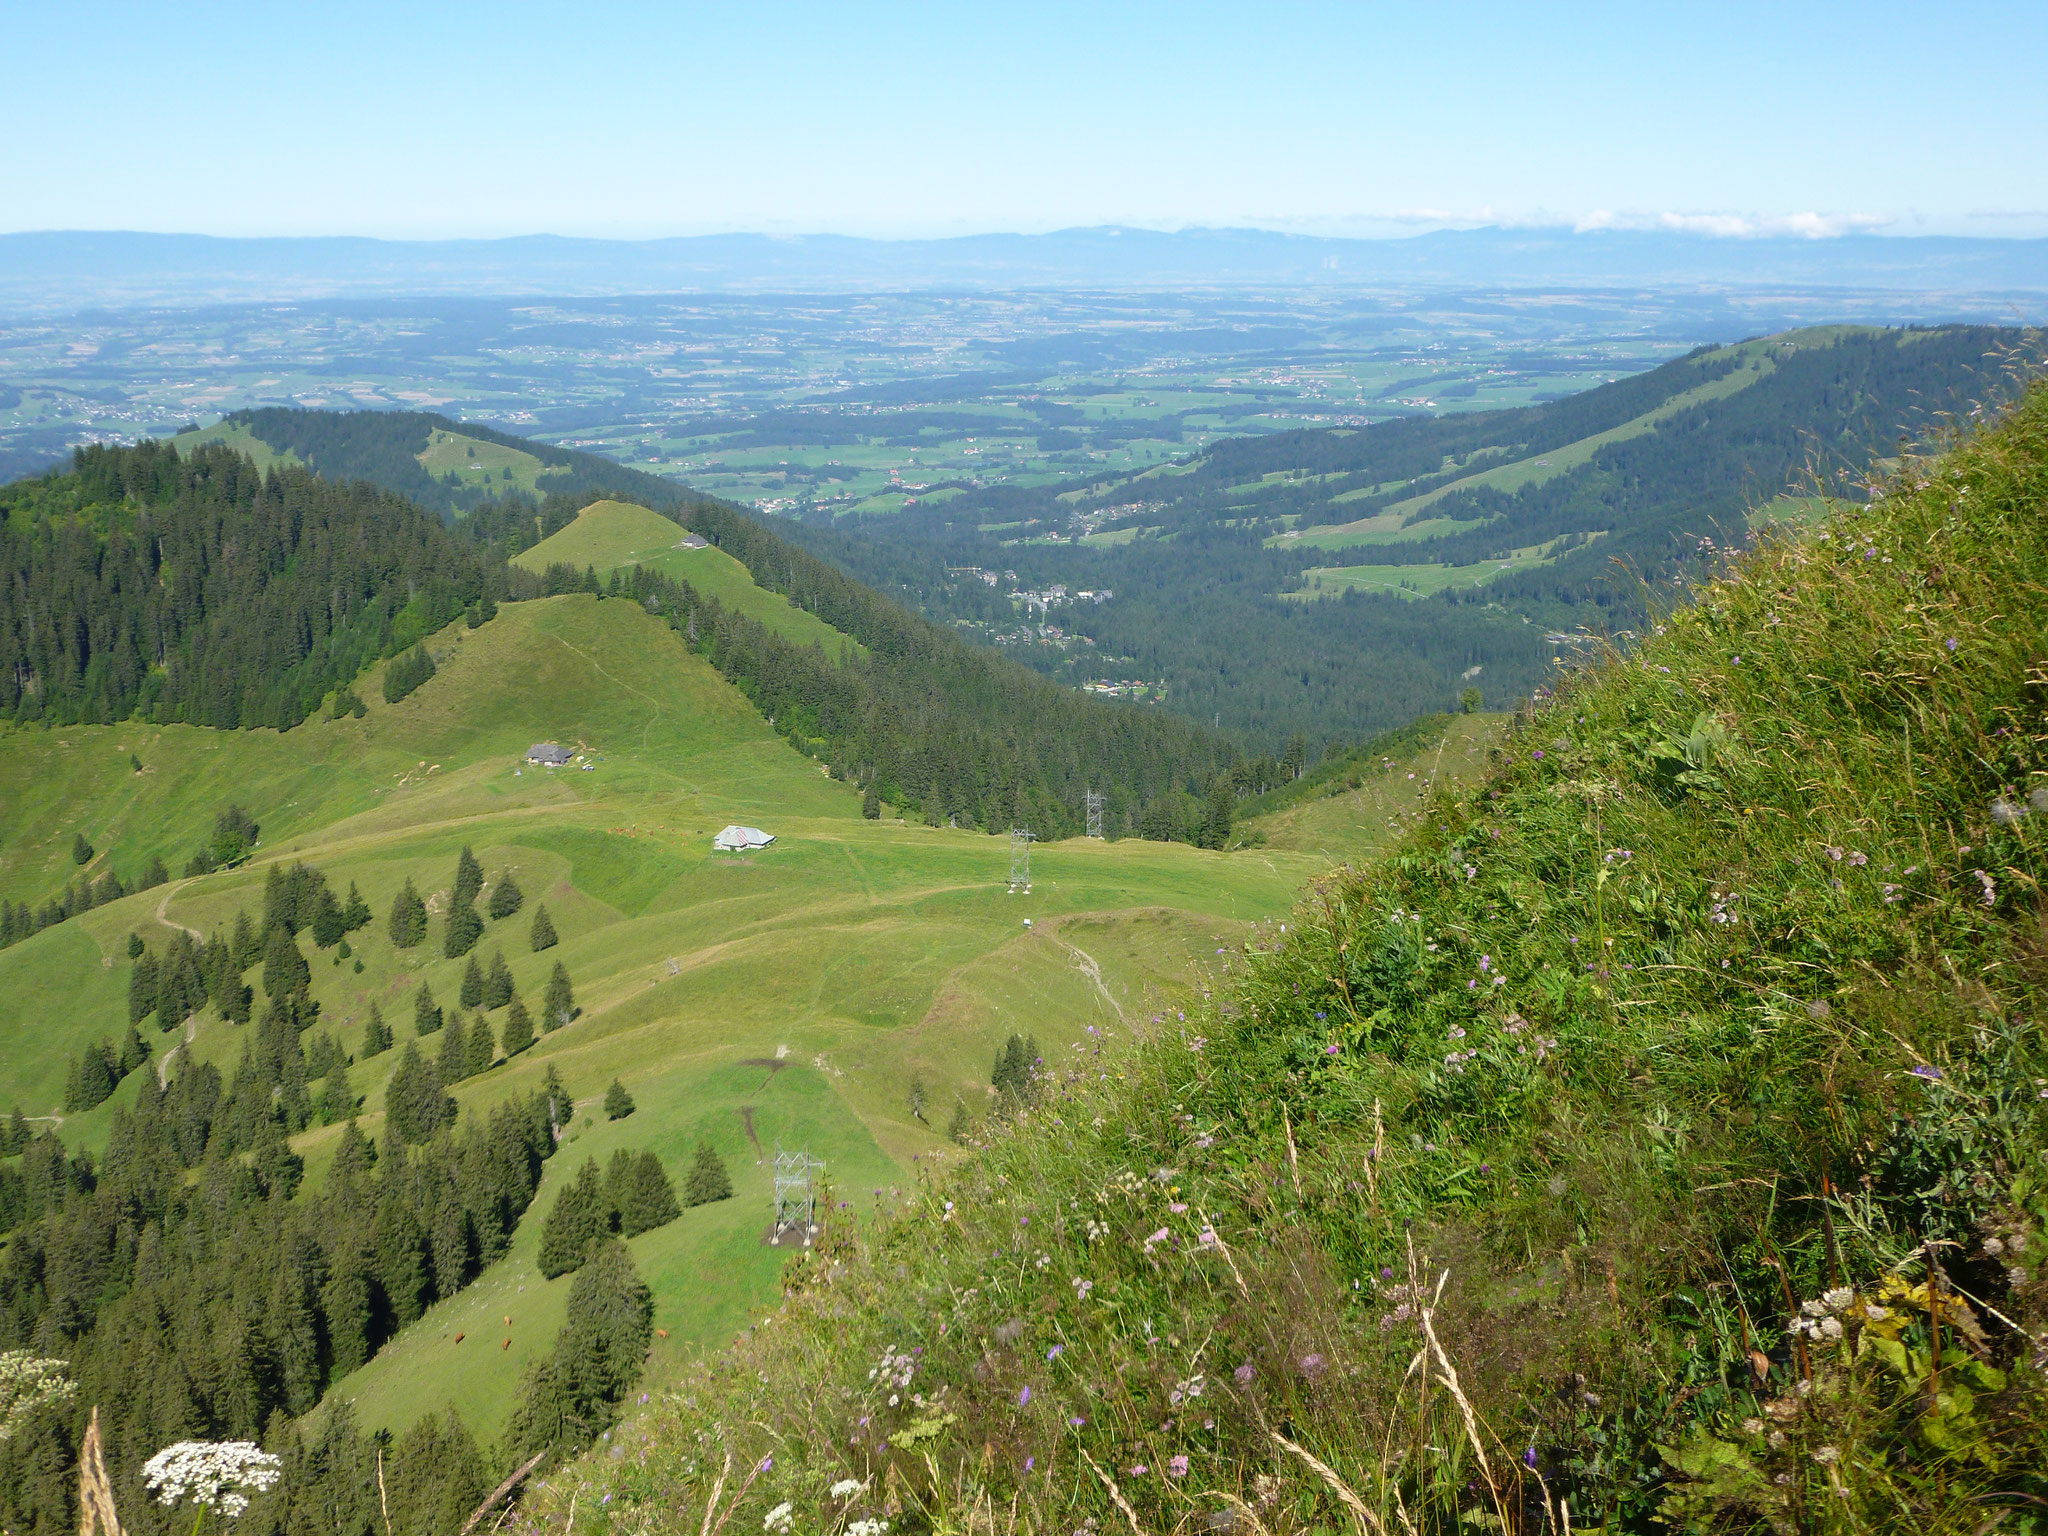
{"points": [[871, 802], [647, 1199], [617, 1102], [133, 1052], [408, 917], [558, 1006], [472, 993], [463, 930], [415, 1103], [329, 925], [454, 1054], [337, 1099], [707, 1180], [81, 850], [497, 981], [506, 897], [285, 971], [961, 1125], [469, 879], [483, 1050], [246, 947], [142, 988], [136, 947], [916, 1096], [355, 912], [579, 1218], [376, 1033], [14, 1138], [518, 1028], [543, 931]]}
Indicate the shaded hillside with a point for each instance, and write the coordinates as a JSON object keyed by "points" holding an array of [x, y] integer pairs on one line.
{"points": [[1653, 1141]]}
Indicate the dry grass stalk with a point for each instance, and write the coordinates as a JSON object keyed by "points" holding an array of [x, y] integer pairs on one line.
{"points": [[1293, 1158], [95, 1491], [1115, 1493], [1243, 1509], [1367, 1520], [501, 1491], [717, 1489], [1224, 1248], [1447, 1374]]}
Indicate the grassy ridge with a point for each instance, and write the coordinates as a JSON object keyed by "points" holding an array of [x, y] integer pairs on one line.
{"points": [[1657, 1135], [875, 953]]}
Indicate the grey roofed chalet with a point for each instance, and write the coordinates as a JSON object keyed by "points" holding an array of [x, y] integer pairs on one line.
{"points": [[546, 752], [738, 839]]}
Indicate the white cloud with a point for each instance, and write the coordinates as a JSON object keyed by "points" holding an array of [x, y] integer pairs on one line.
{"points": [[1739, 226]]}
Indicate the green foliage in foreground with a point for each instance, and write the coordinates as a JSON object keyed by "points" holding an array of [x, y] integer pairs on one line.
{"points": [[1660, 1131]]}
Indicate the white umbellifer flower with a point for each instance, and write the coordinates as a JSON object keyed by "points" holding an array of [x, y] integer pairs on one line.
{"points": [[1838, 1298], [210, 1473], [868, 1528], [778, 1519], [27, 1382], [846, 1488]]}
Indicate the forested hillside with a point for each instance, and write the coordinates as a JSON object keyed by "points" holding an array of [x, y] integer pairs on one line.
{"points": [[1438, 545], [197, 590], [149, 585]]}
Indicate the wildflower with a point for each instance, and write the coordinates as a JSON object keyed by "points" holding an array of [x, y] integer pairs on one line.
{"points": [[1076, 1421], [868, 1528], [1178, 1207], [1950, 643], [1157, 1237], [1141, 1469], [1177, 1466], [1529, 1458], [1826, 1455], [209, 1473], [1838, 1298], [1197, 1043], [1930, 1074], [1752, 1426], [846, 1488], [1312, 1366], [27, 1382], [1244, 1375], [1858, 859], [2005, 813], [1538, 755], [1990, 887], [779, 1518], [1082, 1288], [1024, 1398], [1835, 854]]}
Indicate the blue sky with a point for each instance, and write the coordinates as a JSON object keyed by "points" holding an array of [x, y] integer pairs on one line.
{"points": [[430, 120]]}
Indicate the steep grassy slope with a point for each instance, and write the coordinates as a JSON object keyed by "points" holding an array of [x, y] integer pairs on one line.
{"points": [[1654, 1140], [608, 535]]}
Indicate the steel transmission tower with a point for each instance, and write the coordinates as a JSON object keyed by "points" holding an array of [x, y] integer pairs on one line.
{"points": [[1095, 799], [796, 1200], [1020, 859]]}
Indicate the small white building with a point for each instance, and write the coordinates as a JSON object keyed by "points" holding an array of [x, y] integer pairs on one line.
{"points": [[740, 839]]}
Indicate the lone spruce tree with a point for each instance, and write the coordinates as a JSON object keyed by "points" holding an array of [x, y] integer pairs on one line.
{"points": [[376, 1033], [558, 1007], [543, 931], [708, 1180], [617, 1102], [498, 982], [469, 878], [518, 1028], [646, 1200], [506, 897], [408, 917]]}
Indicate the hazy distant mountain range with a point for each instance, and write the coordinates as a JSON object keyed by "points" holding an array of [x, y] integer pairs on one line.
{"points": [[62, 270]]}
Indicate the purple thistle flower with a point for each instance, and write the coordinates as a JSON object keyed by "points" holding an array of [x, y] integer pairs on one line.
{"points": [[1930, 1074], [1529, 1458], [1244, 1374], [1024, 1398], [1177, 1467], [1950, 643]]}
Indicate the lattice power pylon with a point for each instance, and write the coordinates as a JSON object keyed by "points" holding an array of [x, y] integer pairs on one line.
{"points": [[796, 1198], [1020, 859], [1095, 799]]}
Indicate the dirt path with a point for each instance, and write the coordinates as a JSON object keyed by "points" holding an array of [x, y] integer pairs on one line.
{"points": [[1085, 964], [163, 913], [163, 1064]]}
